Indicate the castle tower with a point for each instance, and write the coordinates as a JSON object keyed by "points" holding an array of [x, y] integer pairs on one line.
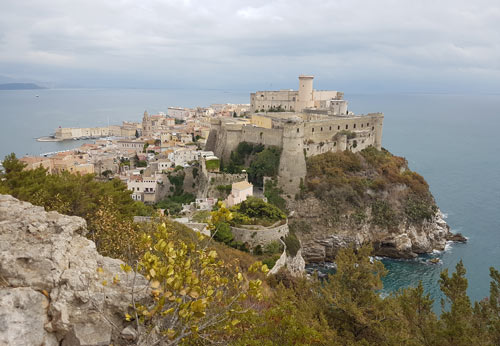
{"points": [[292, 168], [305, 97], [378, 125]]}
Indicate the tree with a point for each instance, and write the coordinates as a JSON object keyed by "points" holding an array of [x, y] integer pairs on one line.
{"points": [[195, 295], [136, 133], [219, 219]]}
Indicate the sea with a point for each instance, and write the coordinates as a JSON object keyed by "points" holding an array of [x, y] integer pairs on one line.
{"points": [[452, 140]]}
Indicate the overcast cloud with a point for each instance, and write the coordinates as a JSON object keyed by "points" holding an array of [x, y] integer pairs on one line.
{"points": [[385, 45]]}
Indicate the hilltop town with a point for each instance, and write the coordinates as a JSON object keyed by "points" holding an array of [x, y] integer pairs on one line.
{"points": [[302, 123], [186, 160]]}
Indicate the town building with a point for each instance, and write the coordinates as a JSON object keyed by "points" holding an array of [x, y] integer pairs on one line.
{"points": [[240, 191]]}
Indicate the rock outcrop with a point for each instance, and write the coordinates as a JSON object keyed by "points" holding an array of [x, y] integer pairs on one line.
{"points": [[321, 239], [296, 265], [55, 289]]}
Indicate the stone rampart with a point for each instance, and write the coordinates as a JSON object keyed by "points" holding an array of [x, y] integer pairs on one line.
{"points": [[259, 235]]}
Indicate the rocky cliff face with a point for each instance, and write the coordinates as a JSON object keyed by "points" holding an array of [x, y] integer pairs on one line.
{"points": [[321, 238], [55, 289], [366, 197]]}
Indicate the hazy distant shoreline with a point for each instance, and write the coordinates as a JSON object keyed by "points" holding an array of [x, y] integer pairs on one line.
{"points": [[20, 86]]}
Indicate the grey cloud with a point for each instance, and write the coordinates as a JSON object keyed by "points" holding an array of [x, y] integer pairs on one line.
{"points": [[206, 43]]}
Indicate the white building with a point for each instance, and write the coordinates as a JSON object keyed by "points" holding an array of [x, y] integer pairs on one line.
{"points": [[143, 188], [240, 192], [178, 112]]}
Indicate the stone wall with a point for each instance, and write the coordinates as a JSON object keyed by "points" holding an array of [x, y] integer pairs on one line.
{"points": [[259, 236]]}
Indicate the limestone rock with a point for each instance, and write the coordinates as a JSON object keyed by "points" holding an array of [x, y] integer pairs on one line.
{"points": [[296, 265], [56, 288], [321, 238]]}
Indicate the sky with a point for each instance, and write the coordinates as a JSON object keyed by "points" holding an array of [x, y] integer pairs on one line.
{"points": [[352, 45]]}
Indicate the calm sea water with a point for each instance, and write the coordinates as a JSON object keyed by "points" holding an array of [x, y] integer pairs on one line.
{"points": [[450, 139]]}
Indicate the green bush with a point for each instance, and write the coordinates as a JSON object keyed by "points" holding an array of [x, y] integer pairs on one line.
{"points": [[255, 211], [273, 195], [274, 247], [223, 233], [265, 164], [418, 210], [292, 244]]}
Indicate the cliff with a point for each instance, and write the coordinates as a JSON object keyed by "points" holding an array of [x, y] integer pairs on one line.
{"points": [[55, 289], [366, 197]]}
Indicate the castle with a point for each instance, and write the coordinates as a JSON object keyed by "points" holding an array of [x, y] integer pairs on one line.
{"points": [[303, 123]]}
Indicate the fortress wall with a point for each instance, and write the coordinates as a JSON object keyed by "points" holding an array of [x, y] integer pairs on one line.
{"points": [[267, 99], [260, 135], [260, 236], [323, 130], [362, 141], [211, 140]]}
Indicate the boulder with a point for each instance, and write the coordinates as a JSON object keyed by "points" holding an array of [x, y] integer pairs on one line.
{"points": [[55, 289]]}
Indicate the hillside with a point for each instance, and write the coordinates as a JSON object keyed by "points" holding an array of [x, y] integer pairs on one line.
{"points": [[20, 86], [366, 197]]}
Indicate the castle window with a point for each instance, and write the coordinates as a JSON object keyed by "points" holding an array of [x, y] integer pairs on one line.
{"points": [[322, 129], [362, 125], [367, 124], [313, 129], [354, 125], [338, 127], [297, 130], [330, 128], [261, 135], [346, 127], [373, 128], [334, 144]]}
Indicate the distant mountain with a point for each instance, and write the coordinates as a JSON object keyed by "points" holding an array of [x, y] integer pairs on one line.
{"points": [[20, 86]]}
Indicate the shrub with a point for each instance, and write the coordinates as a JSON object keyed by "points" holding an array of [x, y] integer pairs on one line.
{"points": [[292, 244], [418, 210], [223, 233], [383, 215], [273, 195], [255, 211], [274, 247]]}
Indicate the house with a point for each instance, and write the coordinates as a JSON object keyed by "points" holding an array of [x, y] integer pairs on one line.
{"points": [[239, 193]]}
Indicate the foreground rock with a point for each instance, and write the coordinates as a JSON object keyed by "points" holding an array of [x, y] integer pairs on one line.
{"points": [[55, 289]]}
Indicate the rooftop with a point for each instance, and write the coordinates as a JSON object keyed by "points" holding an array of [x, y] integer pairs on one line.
{"points": [[242, 185]]}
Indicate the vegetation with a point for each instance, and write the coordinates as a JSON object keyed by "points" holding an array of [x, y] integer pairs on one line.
{"points": [[202, 292], [292, 244], [352, 183], [254, 211], [239, 157], [224, 189], [273, 194], [265, 164], [212, 165], [256, 159], [106, 206], [140, 163], [173, 203]]}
